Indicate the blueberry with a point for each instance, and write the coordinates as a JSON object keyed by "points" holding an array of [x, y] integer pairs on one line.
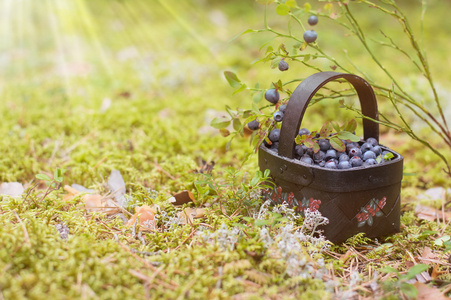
{"points": [[299, 150], [322, 164], [324, 144], [343, 157], [307, 160], [274, 135], [283, 65], [272, 95], [304, 131], [331, 153], [351, 145], [369, 155], [308, 151], [366, 147], [343, 165], [278, 116], [319, 156], [370, 162], [331, 164], [253, 125], [275, 146], [310, 36], [377, 150], [355, 152], [313, 20], [356, 161], [282, 108], [372, 141]]}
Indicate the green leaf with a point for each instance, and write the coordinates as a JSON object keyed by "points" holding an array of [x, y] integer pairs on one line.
{"points": [[243, 33], [260, 222], [307, 7], [303, 46], [350, 126], [315, 147], [275, 62], [388, 156], [415, 270], [428, 233], [298, 140], [441, 240], [242, 88], [232, 79], [224, 132], [346, 135], [258, 96], [409, 290], [335, 126], [307, 57], [219, 123], [308, 142], [43, 177], [337, 144], [282, 9], [388, 269], [291, 3], [236, 124], [326, 130]]}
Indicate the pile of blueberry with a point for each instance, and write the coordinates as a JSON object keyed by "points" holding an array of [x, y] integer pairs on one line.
{"points": [[367, 153]]}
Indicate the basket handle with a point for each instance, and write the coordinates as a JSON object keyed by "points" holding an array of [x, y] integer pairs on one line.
{"points": [[305, 91]]}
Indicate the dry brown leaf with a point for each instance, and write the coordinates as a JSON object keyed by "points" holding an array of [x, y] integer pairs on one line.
{"points": [[346, 256], [188, 215], [427, 256], [71, 193], [184, 197], [146, 215], [427, 292], [431, 214], [96, 203], [436, 272]]}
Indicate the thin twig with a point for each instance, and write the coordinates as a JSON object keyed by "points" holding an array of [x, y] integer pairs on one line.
{"points": [[24, 229]]}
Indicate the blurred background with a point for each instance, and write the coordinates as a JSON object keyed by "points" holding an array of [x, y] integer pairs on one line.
{"points": [[126, 83]]}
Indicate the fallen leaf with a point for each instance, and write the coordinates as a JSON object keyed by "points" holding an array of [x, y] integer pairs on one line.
{"points": [[431, 214], [436, 272], [427, 256], [346, 256], [435, 193], [116, 184], [13, 189], [97, 203], [82, 189], [183, 198], [188, 215], [427, 292], [71, 193], [146, 217]]}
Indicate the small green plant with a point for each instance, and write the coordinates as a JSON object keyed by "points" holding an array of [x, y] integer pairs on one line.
{"points": [[52, 184], [401, 284]]}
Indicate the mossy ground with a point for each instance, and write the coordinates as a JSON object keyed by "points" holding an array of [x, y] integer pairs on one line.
{"points": [[160, 64]]}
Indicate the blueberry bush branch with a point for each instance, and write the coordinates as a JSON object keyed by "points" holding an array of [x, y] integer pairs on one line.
{"points": [[408, 105]]}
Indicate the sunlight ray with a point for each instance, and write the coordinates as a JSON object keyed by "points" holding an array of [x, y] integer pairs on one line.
{"points": [[89, 25]]}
